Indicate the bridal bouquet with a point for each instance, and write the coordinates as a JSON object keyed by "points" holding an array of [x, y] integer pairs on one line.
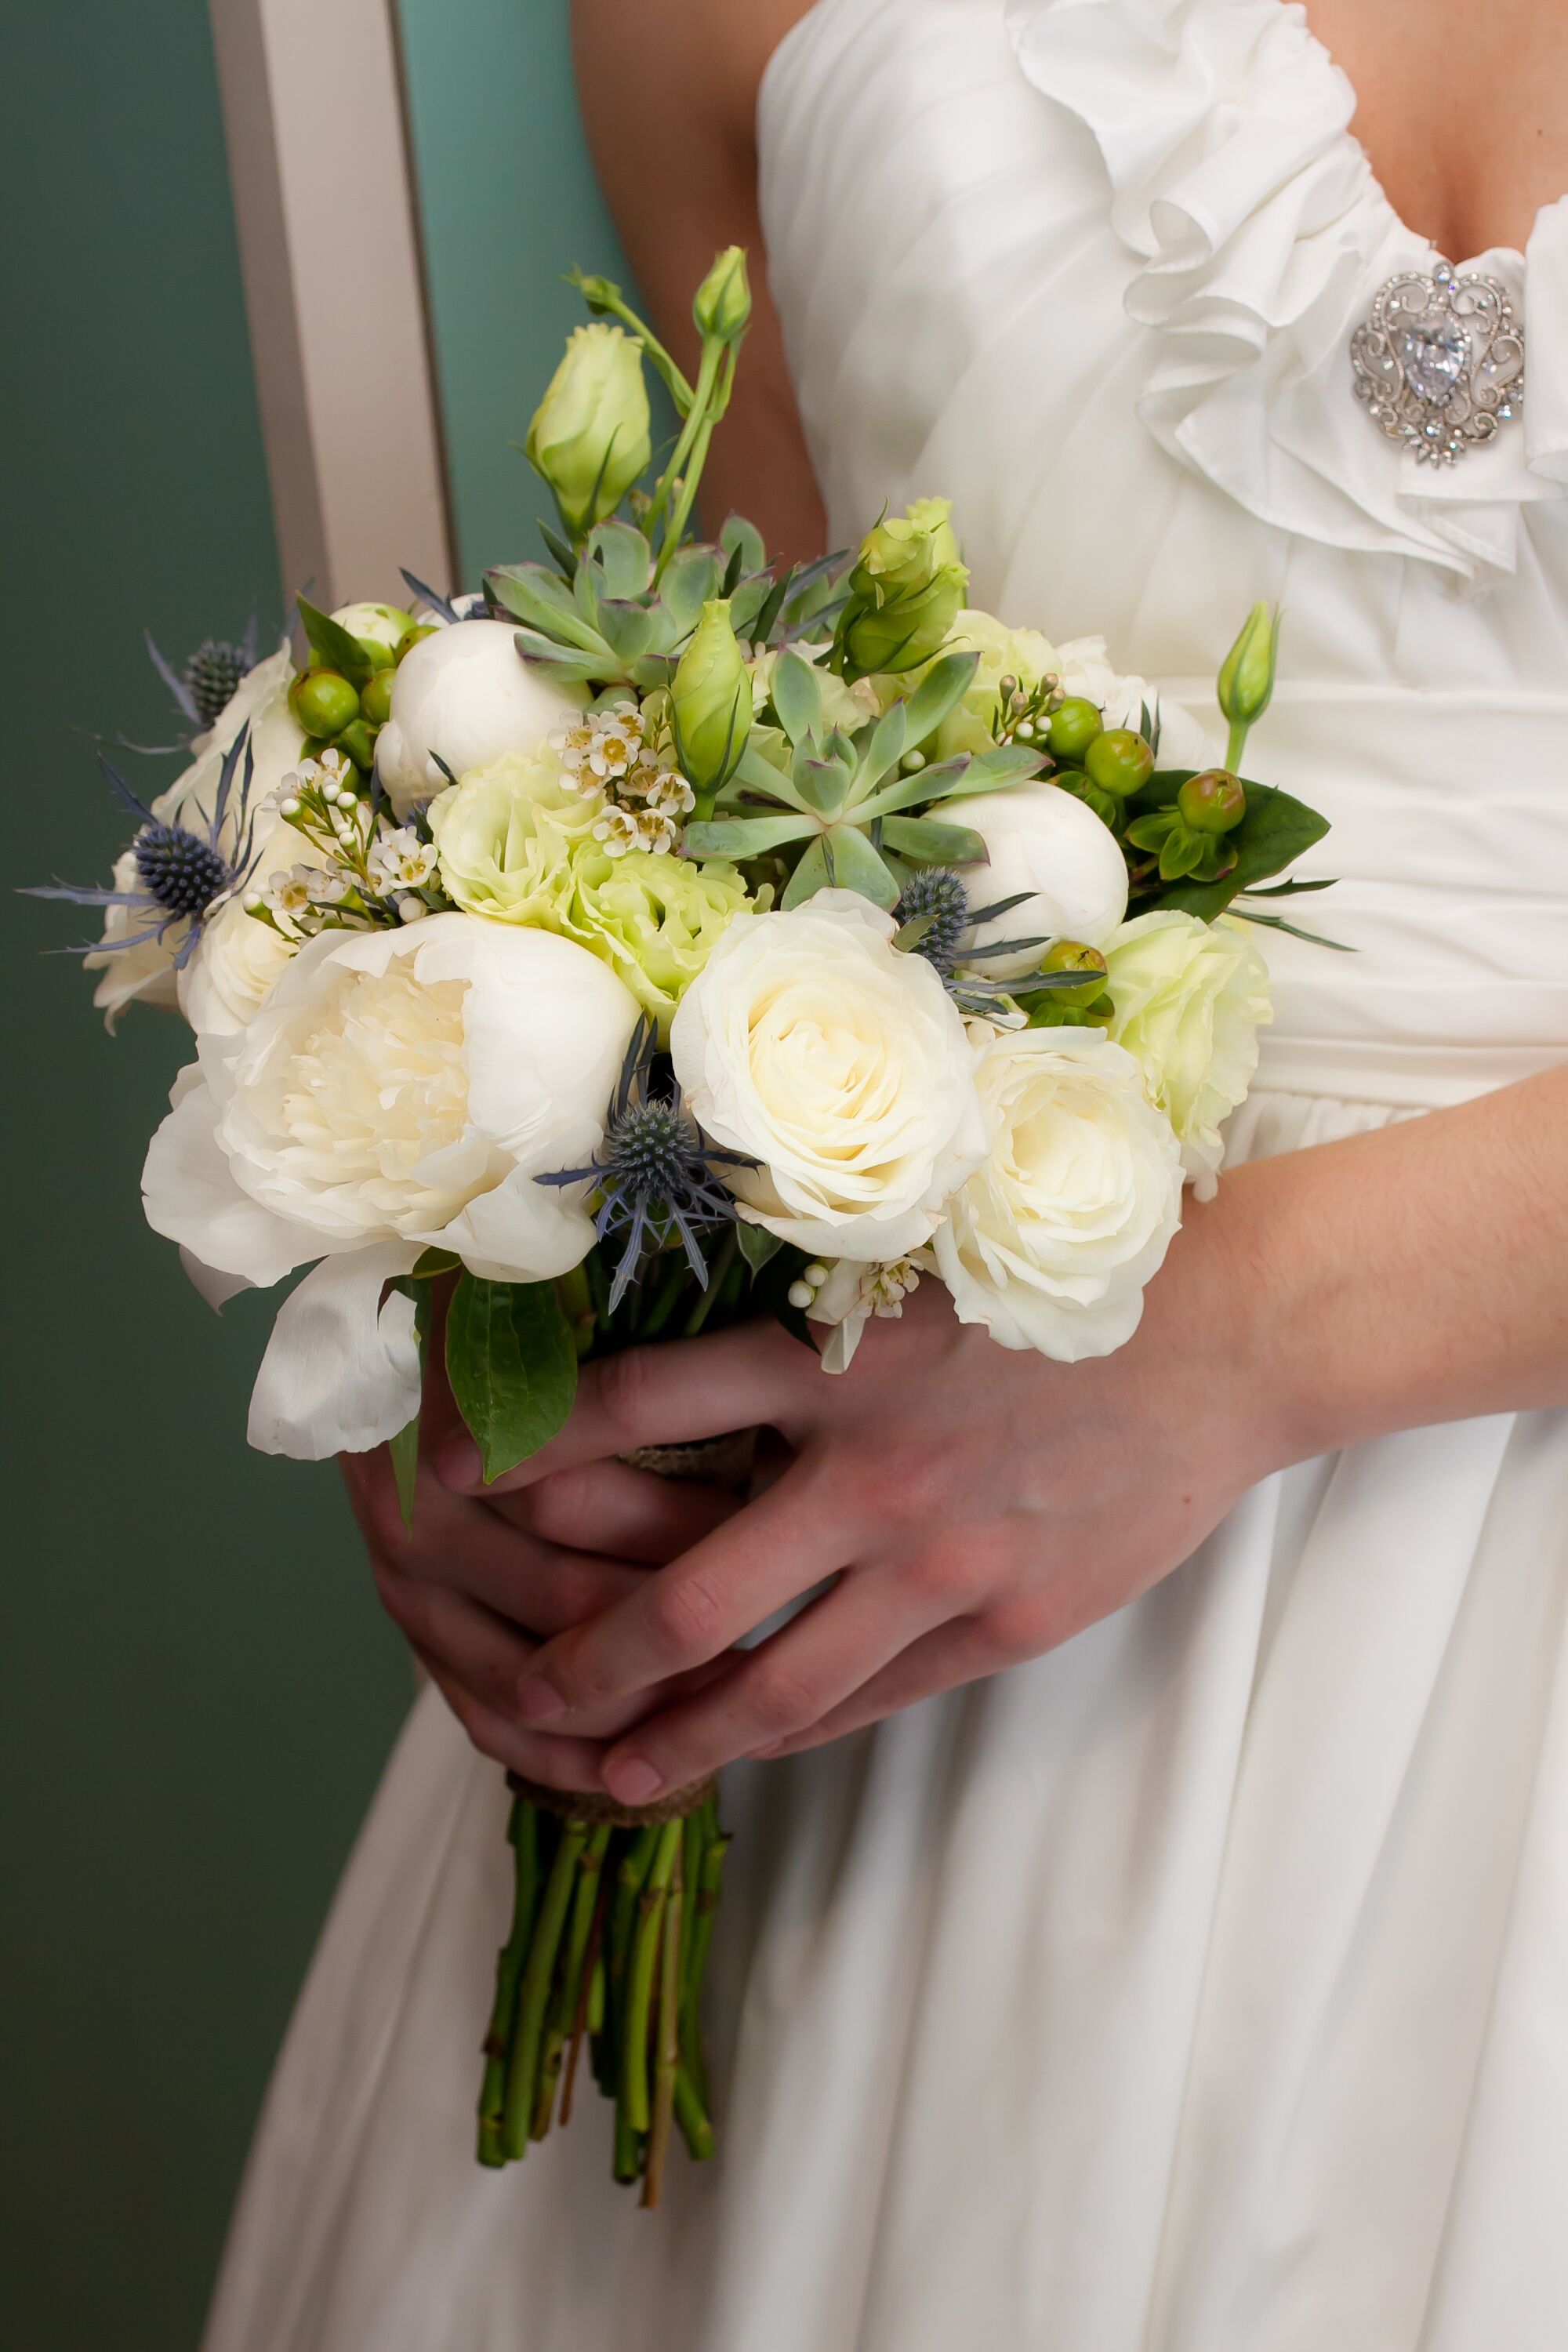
{"points": [[652, 939]]}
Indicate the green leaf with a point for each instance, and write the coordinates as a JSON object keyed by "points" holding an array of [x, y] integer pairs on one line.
{"points": [[812, 874], [623, 557], [626, 626], [1274, 832], [566, 667], [433, 1262], [797, 697], [756, 1244], [744, 836], [512, 1365], [945, 684], [337, 650], [822, 784], [932, 843], [690, 580], [742, 538], [537, 597], [854, 865], [884, 747]]}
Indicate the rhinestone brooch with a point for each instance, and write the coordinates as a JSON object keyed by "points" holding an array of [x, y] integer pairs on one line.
{"points": [[1440, 362]]}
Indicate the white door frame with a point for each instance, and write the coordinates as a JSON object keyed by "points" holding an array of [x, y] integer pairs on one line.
{"points": [[330, 247]]}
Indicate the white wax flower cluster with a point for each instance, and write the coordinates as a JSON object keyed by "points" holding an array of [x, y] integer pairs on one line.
{"points": [[612, 757]]}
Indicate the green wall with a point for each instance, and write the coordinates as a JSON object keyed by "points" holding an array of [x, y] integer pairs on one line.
{"points": [[198, 1688], [509, 203]]}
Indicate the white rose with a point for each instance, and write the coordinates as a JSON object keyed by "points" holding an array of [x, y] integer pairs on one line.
{"points": [[1051, 1242], [466, 697], [398, 1090], [1048, 843], [235, 968], [261, 699], [1084, 670], [1190, 998], [839, 1064]]}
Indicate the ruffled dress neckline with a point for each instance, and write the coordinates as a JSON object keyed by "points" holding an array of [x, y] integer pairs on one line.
{"points": [[1262, 234]]}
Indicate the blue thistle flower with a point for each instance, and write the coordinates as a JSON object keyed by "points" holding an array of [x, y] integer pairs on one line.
{"points": [[207, 683], [935, 918], [182, 874], [656, 1173]]}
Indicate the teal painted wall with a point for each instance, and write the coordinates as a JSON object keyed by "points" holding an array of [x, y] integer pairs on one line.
{"points": [[508, 203], [198, 1686]]}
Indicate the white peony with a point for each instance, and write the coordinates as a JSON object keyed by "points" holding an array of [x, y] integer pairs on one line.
{"points": [[1049, 844], [1050, 1243], [840, 1065], [466, 697], [1190, 998], [398, 1090], [262, 698]]}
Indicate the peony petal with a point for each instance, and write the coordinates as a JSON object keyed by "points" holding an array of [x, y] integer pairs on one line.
{"points": [[341, 1372], [190, 1196]]}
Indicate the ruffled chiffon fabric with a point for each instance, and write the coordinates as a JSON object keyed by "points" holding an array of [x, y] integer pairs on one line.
{"points": [[1202, 1987]]}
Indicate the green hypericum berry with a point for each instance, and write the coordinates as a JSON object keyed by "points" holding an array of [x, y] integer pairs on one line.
{"points": [[359, 741], [1213, 801], [323, 702], [1073, 727], [1118, 762], [1071, 955], [1082, 787], [375, 698], [416, 636]]}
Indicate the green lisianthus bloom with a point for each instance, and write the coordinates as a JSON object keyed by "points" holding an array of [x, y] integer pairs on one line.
{"points": [[505, 835], [655, 919]]}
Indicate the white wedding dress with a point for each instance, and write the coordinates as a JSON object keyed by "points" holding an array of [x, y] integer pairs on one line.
{"points": [[1202, 1987]]}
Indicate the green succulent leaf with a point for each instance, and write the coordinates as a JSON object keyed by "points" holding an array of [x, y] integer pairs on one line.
{"points": [[512, 1364], [797, 698], [628, 628], [756, 1244], [823, 785], [690, 579], [928, 843], [545, 603], [883, 745], [741, 539], [944, 685], [563, 664], [622, 557], [746, 836], [853, 865], [338, 649]]}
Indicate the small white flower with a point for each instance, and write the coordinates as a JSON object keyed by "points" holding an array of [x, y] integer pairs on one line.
{"points": [[399, 860], [668, 794], [846, 1298], [290, 893], [619, 831]]}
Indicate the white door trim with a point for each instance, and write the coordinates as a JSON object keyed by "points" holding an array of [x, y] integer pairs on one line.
{"points": [[329, 241]]}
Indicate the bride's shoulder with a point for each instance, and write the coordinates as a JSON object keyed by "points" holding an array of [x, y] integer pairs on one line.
{"points": [[692, 59]]}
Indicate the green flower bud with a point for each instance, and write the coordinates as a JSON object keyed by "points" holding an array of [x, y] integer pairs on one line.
{"points": [[323, 702], [1213, 801], [710, 703], [723, 301], [905, 592], [1074, 725], [1247, 675], [1118, 762], [591, 434]]}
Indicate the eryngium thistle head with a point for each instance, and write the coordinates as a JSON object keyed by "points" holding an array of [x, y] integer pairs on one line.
{"points": [[212, 678], [652, 1150], [938, 893], [179, 871]]}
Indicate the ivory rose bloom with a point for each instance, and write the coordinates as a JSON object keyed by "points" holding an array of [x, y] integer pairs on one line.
{"points": [[1043, 842], [464, 696], [1190, 998], [840, 1065], [398, 1090], [275, 743], [1051, 1242]]}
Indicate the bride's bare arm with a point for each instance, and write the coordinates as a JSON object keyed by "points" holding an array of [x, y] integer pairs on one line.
{"points": [[671, 124]]}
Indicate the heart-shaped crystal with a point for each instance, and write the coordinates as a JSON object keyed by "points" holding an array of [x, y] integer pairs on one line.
{"points": [[1433, 354]]}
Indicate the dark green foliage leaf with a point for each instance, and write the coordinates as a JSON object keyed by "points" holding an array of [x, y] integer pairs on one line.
{"points": [[404, 1447], [337, 650], [756, 1244], [512, 1363], [1274, 832]]}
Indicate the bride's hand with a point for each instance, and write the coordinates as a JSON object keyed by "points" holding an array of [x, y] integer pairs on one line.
{"points": [[474, 1580], [974, 1505]]}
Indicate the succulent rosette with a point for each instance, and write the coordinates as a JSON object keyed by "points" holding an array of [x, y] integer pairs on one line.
{"points": [[655, 937]]}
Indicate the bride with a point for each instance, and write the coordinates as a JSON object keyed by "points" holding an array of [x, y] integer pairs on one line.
{"points": [[1155, 1939]]}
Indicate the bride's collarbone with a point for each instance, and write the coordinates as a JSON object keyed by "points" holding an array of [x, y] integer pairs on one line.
{"points": [[1462, 112]]}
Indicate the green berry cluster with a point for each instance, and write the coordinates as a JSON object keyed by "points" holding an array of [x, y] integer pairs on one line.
{"points": [[344, 698]]}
